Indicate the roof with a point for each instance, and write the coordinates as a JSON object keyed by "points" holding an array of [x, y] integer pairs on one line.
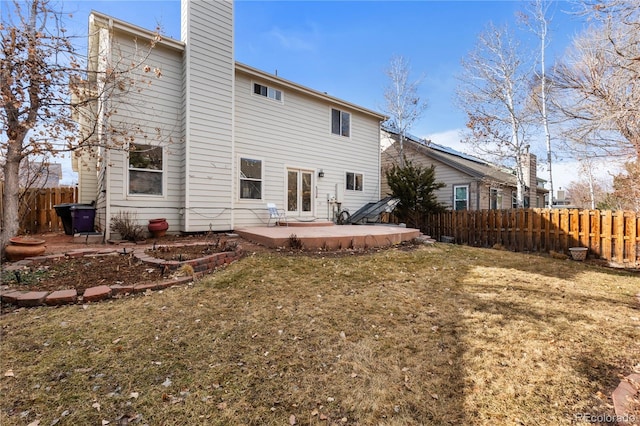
{"points": [[465, 163]]}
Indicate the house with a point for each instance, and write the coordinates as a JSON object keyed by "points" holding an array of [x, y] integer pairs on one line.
{"points": [[38, 174], [211, 140], [470, 183]]}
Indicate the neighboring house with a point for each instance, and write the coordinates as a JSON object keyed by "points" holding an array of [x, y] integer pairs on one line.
{"points": [[37, 174], [218, 139], [471, 183]]}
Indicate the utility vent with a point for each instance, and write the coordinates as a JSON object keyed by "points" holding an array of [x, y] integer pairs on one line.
{"points": [[339, 193]]}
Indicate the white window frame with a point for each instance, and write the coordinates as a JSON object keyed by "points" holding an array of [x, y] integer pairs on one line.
{"points": [[162, 172], [498, 195], [275, 95], [252, 179], [354, 181], [455, 200], [342, 114]]}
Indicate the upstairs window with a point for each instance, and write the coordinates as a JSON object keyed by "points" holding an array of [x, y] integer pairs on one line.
{"points": [[354, 181], [146, 168], [267, 92], [340, 123], [250, 179]]}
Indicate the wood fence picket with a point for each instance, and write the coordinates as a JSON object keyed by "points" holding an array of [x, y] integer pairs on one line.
{"points": [[614, 236], [37, 214]]}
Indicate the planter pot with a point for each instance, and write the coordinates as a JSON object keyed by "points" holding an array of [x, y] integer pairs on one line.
{"points": [[578, 253], [158, 227], [22, 247]]}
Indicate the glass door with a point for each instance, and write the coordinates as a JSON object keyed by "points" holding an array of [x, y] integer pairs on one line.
{"points": [[299, 192]]}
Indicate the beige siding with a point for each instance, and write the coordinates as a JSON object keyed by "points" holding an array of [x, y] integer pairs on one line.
{"points": [[296, 133], [150, 112], [87, 178], [444, 173], [208, 36]]}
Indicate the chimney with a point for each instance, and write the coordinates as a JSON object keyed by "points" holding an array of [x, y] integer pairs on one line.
{"points": [[530, 165]]}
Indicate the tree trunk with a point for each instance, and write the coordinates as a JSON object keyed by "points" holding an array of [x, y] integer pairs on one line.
{"points": [[11, 196]]}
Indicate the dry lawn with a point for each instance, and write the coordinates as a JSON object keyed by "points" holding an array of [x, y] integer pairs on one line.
{"points": [[439, 335]]}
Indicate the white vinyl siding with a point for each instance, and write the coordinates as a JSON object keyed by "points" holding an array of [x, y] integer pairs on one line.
{"points": [[209, 90], [151, 123], [293, 135]]}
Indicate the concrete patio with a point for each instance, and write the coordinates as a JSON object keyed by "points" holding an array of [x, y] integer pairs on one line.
{"points": [[326, 235]]}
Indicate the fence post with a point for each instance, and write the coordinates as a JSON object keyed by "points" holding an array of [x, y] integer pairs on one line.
{"points": [[630, 237]]}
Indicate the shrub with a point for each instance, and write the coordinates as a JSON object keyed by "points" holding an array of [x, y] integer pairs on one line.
{"points": [[126, 224]]}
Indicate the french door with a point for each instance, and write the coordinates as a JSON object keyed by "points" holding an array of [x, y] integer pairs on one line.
{"points": [[299, 192]]}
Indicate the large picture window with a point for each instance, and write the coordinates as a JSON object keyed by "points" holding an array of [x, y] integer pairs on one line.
{"points": [[460, 197], [354, 181], [340, 123], [250, 179], [146, 167]]}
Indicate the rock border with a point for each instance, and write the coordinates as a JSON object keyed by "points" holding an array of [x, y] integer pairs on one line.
{"points": [[201, 266]]}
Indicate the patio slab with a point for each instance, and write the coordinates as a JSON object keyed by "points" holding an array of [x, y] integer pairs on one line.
{"points": [[330, 237]]}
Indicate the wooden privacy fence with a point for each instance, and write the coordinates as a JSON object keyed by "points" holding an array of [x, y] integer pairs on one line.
{"points": [[37, 214], [614, 236]]}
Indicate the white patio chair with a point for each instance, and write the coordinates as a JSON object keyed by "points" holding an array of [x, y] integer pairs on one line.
{"points": [[278, 215]]}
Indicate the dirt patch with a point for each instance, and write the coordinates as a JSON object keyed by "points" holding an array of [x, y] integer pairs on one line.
{"points": [[82, 273], [191, 251]]}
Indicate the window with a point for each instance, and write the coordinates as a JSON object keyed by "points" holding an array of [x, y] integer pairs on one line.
{"points": [[267, 92], [340, 123], [460, 197], [145, 169], [495, 198], [250, 179], [354, 181], [526, 201]]}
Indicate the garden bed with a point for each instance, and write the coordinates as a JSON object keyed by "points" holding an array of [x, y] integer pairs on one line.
{"points": [[115, 268]]}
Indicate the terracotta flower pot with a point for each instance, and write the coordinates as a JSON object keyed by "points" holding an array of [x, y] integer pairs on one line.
{"points": [[158, 227], [22, 247]]}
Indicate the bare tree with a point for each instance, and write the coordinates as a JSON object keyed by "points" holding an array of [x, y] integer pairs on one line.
{"points": [[587, 191], [493, 90], [537, 19], [626, 188], [596, 84], [402, 102], [44, 92]]}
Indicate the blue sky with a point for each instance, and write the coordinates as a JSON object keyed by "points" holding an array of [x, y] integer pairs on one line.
{"points": [[344, 47]]}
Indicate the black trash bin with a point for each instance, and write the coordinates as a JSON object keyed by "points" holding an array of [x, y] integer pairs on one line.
{"points": [[64, 212], [82, 218]]}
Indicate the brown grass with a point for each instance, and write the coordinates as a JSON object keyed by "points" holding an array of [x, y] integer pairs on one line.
{"points": [[439, 335]]}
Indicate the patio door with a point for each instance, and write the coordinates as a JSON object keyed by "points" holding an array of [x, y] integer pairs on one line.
{"points": [[299, 192]]}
